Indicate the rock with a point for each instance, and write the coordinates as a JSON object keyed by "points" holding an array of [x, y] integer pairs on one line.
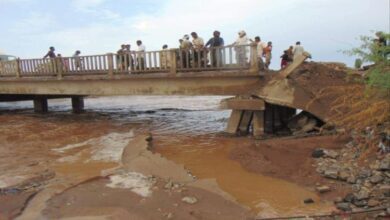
{"points": [[308, 201], [331, 153], [362, 194], [343, 175], [323, 189], [376, 179], [385, 190], [351, 179], [169, 185], [373, 203], [384, 164], [169, 215], [356, 187], [349, 197], [364, 173], [317, 153], [360, 203], [189, 199], [331, 173], [344, 206], [338, 200]]}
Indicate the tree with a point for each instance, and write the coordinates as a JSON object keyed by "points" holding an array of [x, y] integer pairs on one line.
{"points": [[375, 51]]}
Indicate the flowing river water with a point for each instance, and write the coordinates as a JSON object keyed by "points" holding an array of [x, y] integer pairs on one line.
{"points": [[186, 130]]}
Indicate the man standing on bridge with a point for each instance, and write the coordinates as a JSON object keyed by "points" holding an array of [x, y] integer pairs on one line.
{"points": [[140, 55], [198, 44], [216, 52], [260, 50]]}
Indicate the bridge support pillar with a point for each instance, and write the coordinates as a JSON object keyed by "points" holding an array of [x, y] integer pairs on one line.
{"points": [[246, 113], [40, 105], [277, 117], [77, 104]]}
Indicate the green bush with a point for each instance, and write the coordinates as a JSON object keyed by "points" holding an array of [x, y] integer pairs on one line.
{"points": [[372, 52]]}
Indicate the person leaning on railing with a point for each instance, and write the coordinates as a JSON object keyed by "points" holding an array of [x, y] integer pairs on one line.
{"points": [[52, 56], [164, 57], [185, 47], [216, 53], [120, 58]]}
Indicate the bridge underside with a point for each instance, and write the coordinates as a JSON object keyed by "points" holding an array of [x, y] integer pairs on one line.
{"points": [[269, 91]]}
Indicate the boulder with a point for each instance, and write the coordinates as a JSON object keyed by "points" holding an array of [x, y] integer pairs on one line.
{"points": [[331, 173], [362, 194], [344, 206], [331, 154], [376, 179], [343, 175], [317, 153], [323, 189], [384, 164], [351, 179], [385, 190], [349, 197], [360, 203], [373, 203]]}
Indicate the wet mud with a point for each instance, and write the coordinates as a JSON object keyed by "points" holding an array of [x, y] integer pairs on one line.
{"points": [[84, 152]]}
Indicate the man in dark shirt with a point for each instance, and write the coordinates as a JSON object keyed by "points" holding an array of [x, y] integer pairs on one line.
{"points": [[51, 53], [216, 53]]}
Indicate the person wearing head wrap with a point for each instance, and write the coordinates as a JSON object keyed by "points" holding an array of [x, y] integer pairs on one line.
{"points": [[185, 47], [240, 48]]}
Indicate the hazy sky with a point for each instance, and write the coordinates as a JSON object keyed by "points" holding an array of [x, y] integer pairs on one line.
{"points": [[29, 27]]}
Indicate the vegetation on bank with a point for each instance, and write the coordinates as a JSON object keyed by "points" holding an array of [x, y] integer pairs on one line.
{"points": [[376, 51]]}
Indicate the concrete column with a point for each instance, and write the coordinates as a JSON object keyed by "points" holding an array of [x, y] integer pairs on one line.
{"points": [[234, 121], [110, 63], [245, 122], [269, 118], [172, 62], [258, 123], [40, 105], [77, 104]]}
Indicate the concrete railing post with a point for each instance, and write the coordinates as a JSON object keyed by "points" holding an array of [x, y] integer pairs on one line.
{"points": [[173, 62], [254, 63], [110, 62], [59, 67], [18, 68]]}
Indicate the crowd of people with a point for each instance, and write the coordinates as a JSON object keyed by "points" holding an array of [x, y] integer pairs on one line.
{"points": [[195, 52]]}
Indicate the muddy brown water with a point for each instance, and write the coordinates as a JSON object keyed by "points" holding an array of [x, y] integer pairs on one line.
{"points": [[186, 131]]}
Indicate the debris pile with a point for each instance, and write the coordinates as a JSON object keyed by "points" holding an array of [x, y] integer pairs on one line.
{"points": [[363, 164]]}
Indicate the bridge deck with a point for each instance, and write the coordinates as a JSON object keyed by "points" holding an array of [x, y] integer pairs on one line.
{"points": [[229, 70]]}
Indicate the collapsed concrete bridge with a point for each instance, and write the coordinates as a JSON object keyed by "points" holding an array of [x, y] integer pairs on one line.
{"points": [[262, 100]]}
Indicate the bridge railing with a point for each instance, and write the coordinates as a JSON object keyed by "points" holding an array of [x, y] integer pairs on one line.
{"points": [[169, 61], [215, 58]]}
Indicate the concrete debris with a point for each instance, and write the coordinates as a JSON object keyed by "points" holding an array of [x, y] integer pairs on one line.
{"points": [[331, 153], [344, 206], [308, 201], [189, 199], [323, 189]]}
